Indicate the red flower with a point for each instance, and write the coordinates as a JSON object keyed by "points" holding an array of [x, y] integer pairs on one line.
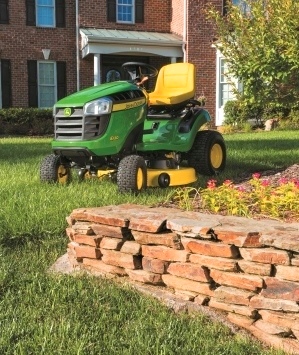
{"points": [[211, 184], [256, 175]]}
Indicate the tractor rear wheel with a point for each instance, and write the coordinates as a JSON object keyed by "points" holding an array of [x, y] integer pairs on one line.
{"points": [[208, 153], [54, 170], [132, 174]]}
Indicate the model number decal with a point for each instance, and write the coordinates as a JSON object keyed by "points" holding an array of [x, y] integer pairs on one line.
{"points": [[114, 138]]}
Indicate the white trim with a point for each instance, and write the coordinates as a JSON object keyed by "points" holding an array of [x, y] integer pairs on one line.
{"points": [[102, 41]]}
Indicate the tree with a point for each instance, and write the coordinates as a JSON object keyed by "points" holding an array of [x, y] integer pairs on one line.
{"points": [[260, 41]]}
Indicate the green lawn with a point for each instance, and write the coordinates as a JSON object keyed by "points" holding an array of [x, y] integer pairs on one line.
{"points": [[42, 313]]}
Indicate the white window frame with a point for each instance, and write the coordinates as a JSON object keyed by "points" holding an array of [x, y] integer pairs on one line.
{"points": [[132, 6], [40, 85], [37, 7]]}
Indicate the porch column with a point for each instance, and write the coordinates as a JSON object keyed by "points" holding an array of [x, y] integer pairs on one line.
{"points": [[96, 69]]}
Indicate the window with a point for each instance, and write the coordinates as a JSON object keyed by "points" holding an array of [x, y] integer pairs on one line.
{"points": [[45, 10], [4, 12], [45, 13], [125, 11], [241, 4], [5, 84], [226, 84], [46, 83]]}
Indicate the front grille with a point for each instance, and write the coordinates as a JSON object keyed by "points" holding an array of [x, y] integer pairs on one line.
{"points": [[77, 127]]}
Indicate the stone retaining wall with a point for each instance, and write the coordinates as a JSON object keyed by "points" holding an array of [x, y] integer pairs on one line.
{"points": [[249, 269]]}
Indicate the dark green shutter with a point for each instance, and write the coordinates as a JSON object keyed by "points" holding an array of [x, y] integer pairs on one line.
{"points": [[111, 10], [32, 83], [6, 83], [30, 13], [4, 11], [60, 13], [61, 80], [139, 11]]}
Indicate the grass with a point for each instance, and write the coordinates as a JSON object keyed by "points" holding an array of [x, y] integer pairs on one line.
{"points": [[42, 313]]}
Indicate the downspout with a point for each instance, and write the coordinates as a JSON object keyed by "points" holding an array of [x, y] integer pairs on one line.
{"points": [[185, 27], [77, 46]]}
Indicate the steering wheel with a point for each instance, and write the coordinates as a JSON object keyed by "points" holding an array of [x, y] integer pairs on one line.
{"points": [[138, 71]]}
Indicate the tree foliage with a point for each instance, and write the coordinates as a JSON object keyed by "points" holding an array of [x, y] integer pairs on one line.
{"points": [[261, 45]]}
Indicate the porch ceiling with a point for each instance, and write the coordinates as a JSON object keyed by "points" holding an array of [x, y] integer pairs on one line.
{"points": [[103, 41]]}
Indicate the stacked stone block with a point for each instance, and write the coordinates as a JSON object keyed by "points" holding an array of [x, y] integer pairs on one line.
{"points": [[246, 268]]}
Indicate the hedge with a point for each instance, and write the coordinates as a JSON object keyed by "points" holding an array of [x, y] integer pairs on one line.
{"points": [[26, 122]]}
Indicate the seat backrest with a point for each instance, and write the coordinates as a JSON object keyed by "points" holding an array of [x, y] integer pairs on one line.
{"points": [[176, 81]]}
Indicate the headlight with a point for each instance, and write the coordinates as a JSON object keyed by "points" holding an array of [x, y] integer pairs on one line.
{"points": [[98, 107]]}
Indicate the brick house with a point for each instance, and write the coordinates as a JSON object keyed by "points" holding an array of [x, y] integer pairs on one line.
{"points": [[51, 48]]}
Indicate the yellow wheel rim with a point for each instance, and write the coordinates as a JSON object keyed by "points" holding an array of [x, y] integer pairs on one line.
{"points": [[139, 179], [216, 156], [63, 174]]}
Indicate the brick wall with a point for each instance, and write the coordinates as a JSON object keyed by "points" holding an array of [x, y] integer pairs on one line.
{"points": [[200, 52], [247, 269], [20, 43]]}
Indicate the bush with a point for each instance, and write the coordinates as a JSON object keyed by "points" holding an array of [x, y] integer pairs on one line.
{"points": [[238, 113], [26, 121]]}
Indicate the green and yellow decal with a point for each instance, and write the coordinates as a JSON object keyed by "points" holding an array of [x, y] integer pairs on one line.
{"points": [[128, 105]]}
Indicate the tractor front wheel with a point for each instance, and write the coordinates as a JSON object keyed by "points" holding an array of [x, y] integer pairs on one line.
{"points": [[208, 153], [54, 170], [132, 174]]}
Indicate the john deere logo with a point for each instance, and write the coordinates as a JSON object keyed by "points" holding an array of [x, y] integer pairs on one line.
{"points": [[67, 111]]}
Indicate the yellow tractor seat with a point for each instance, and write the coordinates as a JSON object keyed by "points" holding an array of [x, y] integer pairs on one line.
{"points": [[175, 84]]}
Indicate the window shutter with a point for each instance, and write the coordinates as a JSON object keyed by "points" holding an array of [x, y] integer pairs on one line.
{"points": [[4, 11], [60, 13], [30, 13], [224, 8], [6, 83], [32, 83], [139, 11], [61, 79], [111, 10]]}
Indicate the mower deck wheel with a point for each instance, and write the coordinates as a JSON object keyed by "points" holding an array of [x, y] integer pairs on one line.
{"points": [[52, 169], [132, 174]]}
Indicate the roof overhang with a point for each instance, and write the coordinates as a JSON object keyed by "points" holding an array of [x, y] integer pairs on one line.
{"points": [[103, 41]]}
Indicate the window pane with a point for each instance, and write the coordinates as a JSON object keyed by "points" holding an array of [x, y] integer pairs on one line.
{"points": [[45, 13], [46, 84], [125, 10]]}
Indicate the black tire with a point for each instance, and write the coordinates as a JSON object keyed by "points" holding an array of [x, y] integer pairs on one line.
{"points": [[208, 153], [54, 170], [132, 174]]}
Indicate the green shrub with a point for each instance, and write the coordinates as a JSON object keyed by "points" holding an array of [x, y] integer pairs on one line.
{"points": [[238, 113], [26, 121]]}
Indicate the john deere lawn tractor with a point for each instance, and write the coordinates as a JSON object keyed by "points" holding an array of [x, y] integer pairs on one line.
{"points": [[139, 139]]}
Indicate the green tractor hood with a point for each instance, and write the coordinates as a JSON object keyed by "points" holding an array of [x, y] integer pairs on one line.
{"points": [[95, 92]]}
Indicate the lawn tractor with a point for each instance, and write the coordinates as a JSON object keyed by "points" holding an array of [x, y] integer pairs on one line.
{"points": [[140, 139]]}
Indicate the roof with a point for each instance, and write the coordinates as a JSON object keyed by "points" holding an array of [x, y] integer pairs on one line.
{"points": [[105, 41]]}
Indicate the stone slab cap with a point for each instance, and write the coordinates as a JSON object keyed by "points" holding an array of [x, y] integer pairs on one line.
{"points": [[110, 215], [240, 236], [196, 227], [287, 239]]}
